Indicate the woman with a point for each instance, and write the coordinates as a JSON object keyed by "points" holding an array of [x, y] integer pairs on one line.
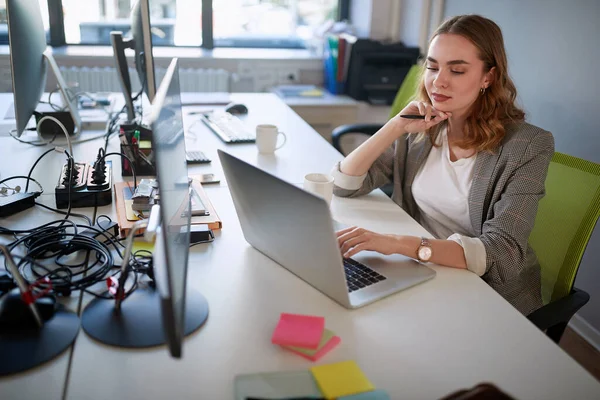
{"points": [[472, 172]]}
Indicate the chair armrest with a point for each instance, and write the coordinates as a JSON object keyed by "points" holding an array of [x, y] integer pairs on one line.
{"points": [[559, 311], [367, 129]]}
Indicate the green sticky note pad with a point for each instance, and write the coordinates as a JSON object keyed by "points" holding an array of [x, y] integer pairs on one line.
{"points": [[328, 342], [276, 385], [341, 379]]}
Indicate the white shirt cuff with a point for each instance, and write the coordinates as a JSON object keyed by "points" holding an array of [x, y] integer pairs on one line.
{"points": [[344, 181], [474, 252]]}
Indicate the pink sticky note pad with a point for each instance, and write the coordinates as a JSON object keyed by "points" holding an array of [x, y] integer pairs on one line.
{"points": [[298, 330], [330, 345]]}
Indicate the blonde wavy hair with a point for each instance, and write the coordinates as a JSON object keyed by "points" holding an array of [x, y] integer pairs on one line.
{"points": [[493, 110]]}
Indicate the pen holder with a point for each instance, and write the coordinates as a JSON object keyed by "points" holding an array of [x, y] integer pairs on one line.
{"points": [[141, 157], [140, 163]]}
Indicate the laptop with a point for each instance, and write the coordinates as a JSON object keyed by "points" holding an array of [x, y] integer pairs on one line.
{"points": [[295, 229]]}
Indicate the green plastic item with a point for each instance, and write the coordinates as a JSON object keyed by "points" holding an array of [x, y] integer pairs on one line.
{"points": [[566, 218], [407, 91]]}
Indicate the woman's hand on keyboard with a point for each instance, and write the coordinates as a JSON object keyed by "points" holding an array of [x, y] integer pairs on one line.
{"points": [[353, 240]]}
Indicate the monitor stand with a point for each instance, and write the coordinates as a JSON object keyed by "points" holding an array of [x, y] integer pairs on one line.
{"points": [[27, 345], [69, 100], [139, 323], [136, 321]]}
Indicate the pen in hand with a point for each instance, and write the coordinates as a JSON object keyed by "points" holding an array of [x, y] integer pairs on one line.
{"points": [[412, 116]]}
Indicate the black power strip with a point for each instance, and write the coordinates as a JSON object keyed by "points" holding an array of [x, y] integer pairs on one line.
{"points": [[86, 189]]}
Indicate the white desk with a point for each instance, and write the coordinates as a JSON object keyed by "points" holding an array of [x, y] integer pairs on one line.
{"points": [[449, 333]]}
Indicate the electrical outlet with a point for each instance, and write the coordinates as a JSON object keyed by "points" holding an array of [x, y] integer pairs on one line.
{"points": [[287, 76]]}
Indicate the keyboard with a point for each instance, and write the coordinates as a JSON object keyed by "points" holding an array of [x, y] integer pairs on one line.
{"points": [[196, 157], [228, 127], [359, 276]]}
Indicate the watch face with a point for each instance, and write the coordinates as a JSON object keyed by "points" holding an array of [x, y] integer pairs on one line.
{"points": [[425, 253]]}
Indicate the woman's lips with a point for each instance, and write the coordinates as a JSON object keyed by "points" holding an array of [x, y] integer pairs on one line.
{"points": [[440, 97]]}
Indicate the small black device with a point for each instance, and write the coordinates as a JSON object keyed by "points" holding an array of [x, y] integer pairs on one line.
{"points": [[15, 313], [236, 109], [50, 128], [208, 179], [15, 203], [201, 234], [196, 157]]}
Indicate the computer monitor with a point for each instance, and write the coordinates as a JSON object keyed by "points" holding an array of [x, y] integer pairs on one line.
{"points": [[29, 60], [173, 233], [142, 37], [134, 321], [141, 42]]}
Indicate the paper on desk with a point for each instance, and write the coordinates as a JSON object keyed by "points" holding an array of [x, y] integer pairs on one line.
{"points": [[298, 330], [341, 379], [276, 385], [374, 395]]}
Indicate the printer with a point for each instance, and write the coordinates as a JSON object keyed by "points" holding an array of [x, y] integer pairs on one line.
{"points": [[376, 70]]}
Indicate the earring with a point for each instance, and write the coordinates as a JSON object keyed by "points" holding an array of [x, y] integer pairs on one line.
{"points": [[482, 90]]}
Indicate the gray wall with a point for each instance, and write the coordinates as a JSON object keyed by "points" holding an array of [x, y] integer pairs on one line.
{"points": [[554, 58]]}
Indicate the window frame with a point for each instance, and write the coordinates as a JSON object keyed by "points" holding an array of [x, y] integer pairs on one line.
{"points": [[58, 39]]}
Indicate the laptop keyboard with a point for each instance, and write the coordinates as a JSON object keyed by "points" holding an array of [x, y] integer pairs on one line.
{"points": [[359, 276]]}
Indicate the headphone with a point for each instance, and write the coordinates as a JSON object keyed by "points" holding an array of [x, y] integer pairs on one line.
{"points": [[17, 189]]}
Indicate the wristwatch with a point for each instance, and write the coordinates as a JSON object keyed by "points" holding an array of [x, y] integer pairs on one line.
{"points": [[424, 252]]}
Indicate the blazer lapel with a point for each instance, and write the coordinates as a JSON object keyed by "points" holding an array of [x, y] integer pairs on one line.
{"points": [[417, 154], [483, 171]]}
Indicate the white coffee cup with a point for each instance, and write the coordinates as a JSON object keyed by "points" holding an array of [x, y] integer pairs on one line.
{"points": [[320, 185], [266, 138]]}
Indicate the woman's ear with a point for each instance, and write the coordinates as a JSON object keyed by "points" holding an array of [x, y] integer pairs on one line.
{"points": [[489, 77]]}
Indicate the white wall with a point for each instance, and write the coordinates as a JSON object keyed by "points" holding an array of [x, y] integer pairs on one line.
{"points": [[410, 21], [554, 58], [360, 16]]}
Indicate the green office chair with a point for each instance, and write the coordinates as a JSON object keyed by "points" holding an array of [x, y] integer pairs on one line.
{"points": [[564, 224], [404, 96]]}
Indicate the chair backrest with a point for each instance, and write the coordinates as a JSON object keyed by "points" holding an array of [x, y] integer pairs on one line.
{"points": [[407, 91], [565, 221]]}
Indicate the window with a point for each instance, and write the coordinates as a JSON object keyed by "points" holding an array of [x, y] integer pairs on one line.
{"points": [[235, 23], [269, 23], [90, 22], [4, 21]]}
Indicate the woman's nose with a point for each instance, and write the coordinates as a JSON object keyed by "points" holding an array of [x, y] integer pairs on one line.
{"points": [[441, 80]]}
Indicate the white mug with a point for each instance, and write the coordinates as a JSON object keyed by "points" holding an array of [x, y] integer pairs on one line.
{"points": [[266, 138], [320, 185]]}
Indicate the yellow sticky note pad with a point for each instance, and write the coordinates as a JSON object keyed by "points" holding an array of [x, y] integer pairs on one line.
{"points": [[142, 245], [341, 379]]}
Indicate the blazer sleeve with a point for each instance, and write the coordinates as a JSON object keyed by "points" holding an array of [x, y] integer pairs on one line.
{"points": [[505, 235], [381, 173]]}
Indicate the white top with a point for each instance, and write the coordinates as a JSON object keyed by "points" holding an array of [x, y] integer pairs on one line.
{"points": [[441, 191]]}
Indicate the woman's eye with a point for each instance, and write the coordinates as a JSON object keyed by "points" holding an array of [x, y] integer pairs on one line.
{"points": [[432, 69], [458, 72]]}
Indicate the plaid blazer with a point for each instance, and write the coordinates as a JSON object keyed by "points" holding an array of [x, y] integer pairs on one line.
{"points": [[503, 201]]}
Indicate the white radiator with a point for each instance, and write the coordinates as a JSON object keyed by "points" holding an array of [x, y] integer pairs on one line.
{"points": [[105, 79]]}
